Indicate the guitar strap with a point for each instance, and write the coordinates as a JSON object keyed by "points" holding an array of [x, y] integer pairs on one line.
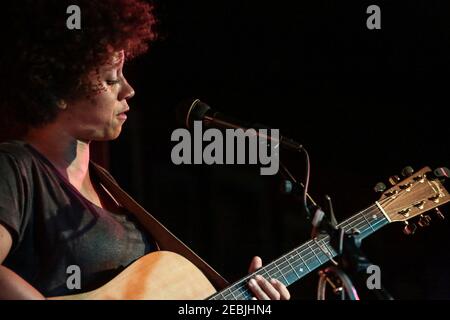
{"points": [[165, 239]]}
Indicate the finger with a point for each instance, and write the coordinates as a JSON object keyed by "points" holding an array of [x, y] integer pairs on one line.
{"points": [[257, 291], [268, 288], [255, 264], [281, 288]]}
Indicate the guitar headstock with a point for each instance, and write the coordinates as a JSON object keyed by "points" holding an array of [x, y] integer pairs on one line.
{"points": [[414, 196]]}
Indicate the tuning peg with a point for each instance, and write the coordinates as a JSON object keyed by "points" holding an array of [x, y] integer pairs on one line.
{"points": [[380, 187], [424, 221], [439, 214], [407, 171], [409, 229], [394, 180]]}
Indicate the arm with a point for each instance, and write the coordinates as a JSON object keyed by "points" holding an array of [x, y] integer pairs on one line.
{"points": [[12, 286]]}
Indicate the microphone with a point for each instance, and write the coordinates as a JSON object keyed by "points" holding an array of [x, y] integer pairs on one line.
{"points": [[196, 110]]}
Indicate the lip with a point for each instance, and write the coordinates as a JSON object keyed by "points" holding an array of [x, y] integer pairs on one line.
{"points": [[124, 110], [122, 115]]}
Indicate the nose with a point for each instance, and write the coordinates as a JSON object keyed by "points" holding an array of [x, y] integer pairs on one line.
{"points": [[127, 91]]}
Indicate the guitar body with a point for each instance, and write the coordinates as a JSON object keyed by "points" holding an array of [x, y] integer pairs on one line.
{"points": [[160, 275]]}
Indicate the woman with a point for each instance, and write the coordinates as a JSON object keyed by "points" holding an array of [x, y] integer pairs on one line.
{"points": [[65, 88]]}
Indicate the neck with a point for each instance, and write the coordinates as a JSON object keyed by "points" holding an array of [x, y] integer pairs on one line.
{"points": [[69, 155], [306, 258]]}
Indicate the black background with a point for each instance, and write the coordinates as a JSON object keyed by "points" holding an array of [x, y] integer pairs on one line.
{"points": [[364, 102]]}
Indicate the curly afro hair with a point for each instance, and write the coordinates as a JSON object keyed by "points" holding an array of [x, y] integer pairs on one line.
{"points": [[43, 61]]}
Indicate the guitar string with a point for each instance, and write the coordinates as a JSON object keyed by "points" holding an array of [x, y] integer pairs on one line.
{"points": [[315, 255], [291, 266], [304, 248], [241, 285], [243, 291], [306, 259]]}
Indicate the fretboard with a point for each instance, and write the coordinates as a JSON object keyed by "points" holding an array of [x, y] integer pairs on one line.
{"points": [[306, 258]]}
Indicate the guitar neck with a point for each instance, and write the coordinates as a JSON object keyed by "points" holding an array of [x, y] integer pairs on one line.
{"points": [[306, 258]]}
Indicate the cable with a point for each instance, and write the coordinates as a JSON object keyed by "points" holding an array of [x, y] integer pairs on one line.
{"points": [[307, 176]]}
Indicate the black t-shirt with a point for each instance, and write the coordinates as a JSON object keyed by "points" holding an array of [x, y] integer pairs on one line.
{"points": [[53, 226]]}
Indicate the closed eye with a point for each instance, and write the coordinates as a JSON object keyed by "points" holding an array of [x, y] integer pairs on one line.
{"points": [[112, 82]]}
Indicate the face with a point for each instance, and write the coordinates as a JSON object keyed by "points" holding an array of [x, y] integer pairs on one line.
{"points": [[100, 111]]}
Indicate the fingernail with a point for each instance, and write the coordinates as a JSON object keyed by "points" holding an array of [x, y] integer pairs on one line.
{"points": [[258, 277], [273, 281], [252, 282]]}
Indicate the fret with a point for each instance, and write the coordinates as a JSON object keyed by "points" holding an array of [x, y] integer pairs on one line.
{"points": [[282, 275], [300, 264], [374, 216], [290, 274], [286, 281], [283, 265], [232, 293], [312, 249], [380, 219], [266, 274], [309, 270], [248, 295], [374, 212], [316, 262], [279, 273], [290, 265], [365, 218], [241, 292], [354, 223], [229, 296], [274, 272]]}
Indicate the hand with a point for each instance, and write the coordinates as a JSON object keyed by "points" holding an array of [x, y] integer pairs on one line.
{"points": [[264, 289]]}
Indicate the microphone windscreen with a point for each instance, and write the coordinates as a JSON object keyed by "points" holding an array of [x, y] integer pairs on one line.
{"points": [[189, 111]]}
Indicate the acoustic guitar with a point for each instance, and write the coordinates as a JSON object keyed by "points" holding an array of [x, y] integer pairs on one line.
{"points": [[166, 275]]}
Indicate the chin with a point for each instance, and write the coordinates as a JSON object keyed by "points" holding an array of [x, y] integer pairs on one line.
{"points": [[107, 136], [111, 137]]}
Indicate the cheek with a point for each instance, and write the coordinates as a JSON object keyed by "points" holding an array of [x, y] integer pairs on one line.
{"points": [[94, 110], [100, 98], [97, 103], [95, 88], [102, 106]]}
